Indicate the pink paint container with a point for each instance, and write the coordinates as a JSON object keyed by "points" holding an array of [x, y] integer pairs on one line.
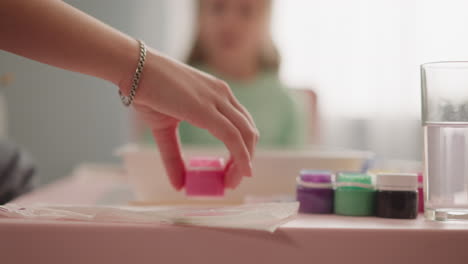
{"points": [[205, 177], [420, 193]]}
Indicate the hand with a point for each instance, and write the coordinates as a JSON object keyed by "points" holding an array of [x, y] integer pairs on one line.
{"points": [[170, 92]]}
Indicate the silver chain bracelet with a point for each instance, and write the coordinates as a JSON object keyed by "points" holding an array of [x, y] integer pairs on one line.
{"points": [[128, 100]]}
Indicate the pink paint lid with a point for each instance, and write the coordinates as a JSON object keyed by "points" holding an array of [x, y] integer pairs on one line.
{"points": [[206, 163], [420, 180], [205, 177]]}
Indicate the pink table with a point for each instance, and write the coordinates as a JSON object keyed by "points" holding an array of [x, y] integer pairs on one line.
{"points": [[307, 239]]}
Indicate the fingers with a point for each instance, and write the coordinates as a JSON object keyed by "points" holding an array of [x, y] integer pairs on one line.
{"points": [[233, 100], [222, 128], [243, 125], [165, 133], [243, 121], [209, 104], [244, 111], [169, 146], [233, 176]]}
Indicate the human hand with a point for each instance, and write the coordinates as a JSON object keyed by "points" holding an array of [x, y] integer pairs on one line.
{"points": [[170, 92]]}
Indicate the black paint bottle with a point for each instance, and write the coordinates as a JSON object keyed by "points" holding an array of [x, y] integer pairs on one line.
{"points": [[397, 195]]}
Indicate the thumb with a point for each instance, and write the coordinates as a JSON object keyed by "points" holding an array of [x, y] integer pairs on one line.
{"points": [[168, 142]]}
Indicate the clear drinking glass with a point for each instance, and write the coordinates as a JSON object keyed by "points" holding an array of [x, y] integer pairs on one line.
{"points": [[445, 123]]}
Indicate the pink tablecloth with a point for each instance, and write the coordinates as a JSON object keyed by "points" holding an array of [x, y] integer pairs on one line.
{"points": [[307, 239]]}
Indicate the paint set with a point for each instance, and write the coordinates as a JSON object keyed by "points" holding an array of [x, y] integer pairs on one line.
{"points": [[387, 195], [382, 194]]}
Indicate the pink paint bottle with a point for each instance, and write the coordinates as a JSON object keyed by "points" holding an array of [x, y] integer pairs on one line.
{"points": [[420, 193], [205, 177]]}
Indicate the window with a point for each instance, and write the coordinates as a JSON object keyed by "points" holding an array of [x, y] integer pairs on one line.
{"points": [[363, 56]]}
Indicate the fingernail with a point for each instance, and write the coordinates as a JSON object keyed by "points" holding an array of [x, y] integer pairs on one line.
{"points": [[236, 178], [236, 183], [250, 170], [178, 187], [248, 173]]}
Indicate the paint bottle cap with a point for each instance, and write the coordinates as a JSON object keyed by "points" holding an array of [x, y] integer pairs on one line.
{"points": [[354, 179], [315, 179], [397, 181], [206, 163], [420, 177], [205, 177], [316, 176]]}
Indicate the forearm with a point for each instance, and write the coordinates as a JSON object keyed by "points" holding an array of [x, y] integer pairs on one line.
{"points": [[55, 33]]}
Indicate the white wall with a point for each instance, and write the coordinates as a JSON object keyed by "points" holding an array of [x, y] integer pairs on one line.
{"points": [[65, 118], [394, 139]]}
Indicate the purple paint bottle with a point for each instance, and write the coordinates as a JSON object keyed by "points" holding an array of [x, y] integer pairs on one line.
{"points": [[315, 192]]}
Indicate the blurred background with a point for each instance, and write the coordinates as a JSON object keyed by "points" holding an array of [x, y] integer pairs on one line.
{"points": [[361, 58]]}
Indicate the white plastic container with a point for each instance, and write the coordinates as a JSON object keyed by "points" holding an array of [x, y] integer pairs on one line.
{"points": [[274, 172]]}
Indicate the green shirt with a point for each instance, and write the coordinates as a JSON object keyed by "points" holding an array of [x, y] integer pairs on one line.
{"points": [[274, 108]]}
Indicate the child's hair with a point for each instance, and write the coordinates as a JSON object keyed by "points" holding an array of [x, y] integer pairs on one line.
{"points": [[269, 59]]}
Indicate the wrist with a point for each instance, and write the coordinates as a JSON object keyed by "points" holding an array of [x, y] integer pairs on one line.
{"points": [[153, 69]]}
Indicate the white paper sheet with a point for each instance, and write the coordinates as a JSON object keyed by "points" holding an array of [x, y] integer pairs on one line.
{"points": [[258, 216]]}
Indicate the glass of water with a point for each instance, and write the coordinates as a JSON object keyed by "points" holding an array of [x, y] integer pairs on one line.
{"points": [[445, 123]]}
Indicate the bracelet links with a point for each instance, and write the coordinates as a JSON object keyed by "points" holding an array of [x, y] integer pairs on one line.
{"points": [[128, 100]]}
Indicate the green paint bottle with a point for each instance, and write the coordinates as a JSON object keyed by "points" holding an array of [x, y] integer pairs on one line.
{"points": [[354, 195]]}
